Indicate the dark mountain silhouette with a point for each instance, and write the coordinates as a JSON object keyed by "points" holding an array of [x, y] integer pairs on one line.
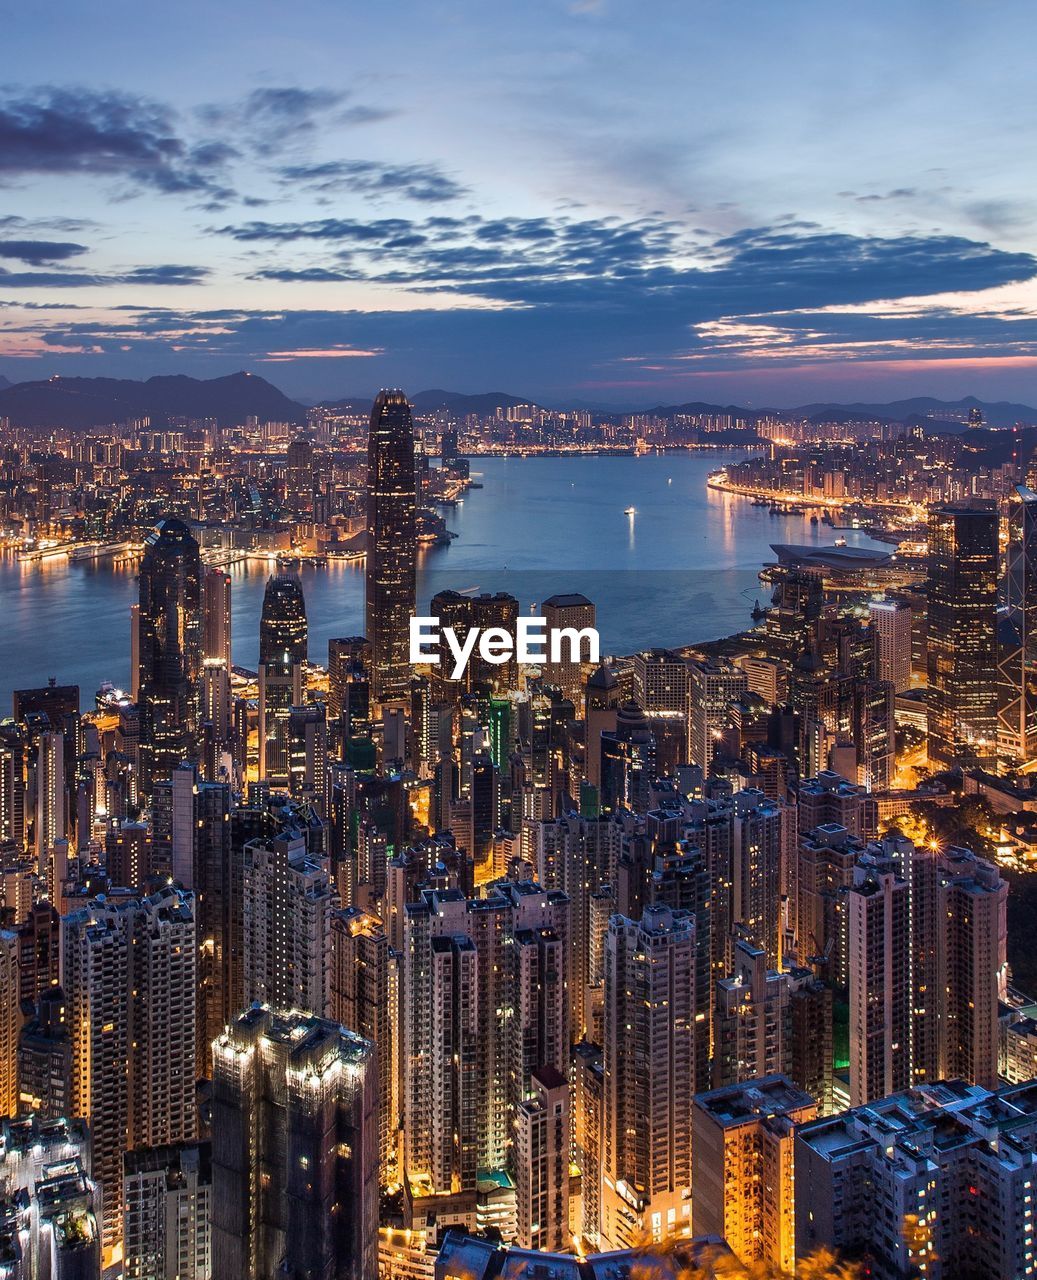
{"points": [[97, 402], [999, 413], [457, 402]]}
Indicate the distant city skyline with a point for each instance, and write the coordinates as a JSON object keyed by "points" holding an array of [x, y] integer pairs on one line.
{"points": [[683, 203]]}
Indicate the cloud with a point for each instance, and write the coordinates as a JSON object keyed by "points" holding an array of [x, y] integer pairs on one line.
{"points": [[278, 118], [625, 266], [421, 182], [37, 252], [571, 303], [49, 130], [165, 274]]}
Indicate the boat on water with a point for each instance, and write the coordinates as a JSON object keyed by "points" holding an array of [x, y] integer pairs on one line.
{"points": [[630, 511], [839, 542], [96, 550], [42, 553]]}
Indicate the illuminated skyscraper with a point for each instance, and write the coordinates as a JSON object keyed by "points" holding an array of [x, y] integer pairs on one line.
{"points": [[891, 622], [575, 613], [216, 615], [392, 545], [295, 1150], [649, 1076], [128, 970], [962, 689], [282, 651], [1017, 633], [170, 647]]}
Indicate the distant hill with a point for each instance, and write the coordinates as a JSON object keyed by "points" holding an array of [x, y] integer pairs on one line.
{"points": [[82, 403], [1000, 413], [457, 402], [428, 401]]}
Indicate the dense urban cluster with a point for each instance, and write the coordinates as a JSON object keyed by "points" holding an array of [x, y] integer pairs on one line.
{"points": [[347, 968]]}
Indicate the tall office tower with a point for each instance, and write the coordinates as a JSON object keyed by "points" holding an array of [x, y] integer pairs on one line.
{"points": [[752, 1022], [602, 698], [743, 1188], [627, 761], [10, 1023], [879, 943], [12, 788], [972, 964], [465, 612], [167, 1198], [216, 616], [135, 651], [295, 1150], [762, 835], [486, 1002], [714, 685], [891, 622], [216, 716], [282, 651], [50, 1208], [962, 696], [392, 546], [308, 754], [51, 802], [170, 626], [364, 992], [542, 1163], [128, 971], [574, 614], [299, 476], [287, 902], [45, 1059], [1017, 633], [649, 1076], [954, 1162], [349, 687]]}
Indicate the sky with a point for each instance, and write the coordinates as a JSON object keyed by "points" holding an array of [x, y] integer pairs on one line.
{"points": [[604, 201]]}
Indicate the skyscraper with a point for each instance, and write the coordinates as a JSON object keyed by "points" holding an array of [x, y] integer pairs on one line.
{"points": [[891, 622], [576, 614], [282, 651], [167, 1195], [649, 1076], [295, 1150], [743, 1185], [216, 615], [129, 973], [1017, 633], [287, 917], [170, 647], [962, 687], [392, 545]]}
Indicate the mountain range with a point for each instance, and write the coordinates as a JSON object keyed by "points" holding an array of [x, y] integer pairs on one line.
{"points": [[83, 403], [96, 402]]}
